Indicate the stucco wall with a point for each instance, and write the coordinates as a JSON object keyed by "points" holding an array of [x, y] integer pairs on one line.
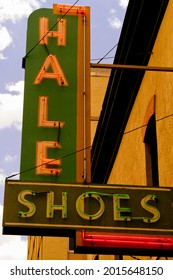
{"points": [[129, 166]]}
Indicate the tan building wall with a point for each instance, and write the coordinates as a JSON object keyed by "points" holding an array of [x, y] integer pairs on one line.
{"points": [[99, 81], [55, 248], [130, 164], [129, 167]]}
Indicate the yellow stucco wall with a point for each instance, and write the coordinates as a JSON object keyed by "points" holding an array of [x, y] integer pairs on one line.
{"points": [[99, 81], [129, 167]]}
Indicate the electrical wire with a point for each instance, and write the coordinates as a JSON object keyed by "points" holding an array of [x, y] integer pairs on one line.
{"points": [[81, 150], [49, 162], [112, 57], [95, 59], [107, 53], [158, 120], [104, 57], [23, 63]]}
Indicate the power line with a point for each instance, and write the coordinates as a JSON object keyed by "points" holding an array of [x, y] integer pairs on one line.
{"points": [[139, 127], [24, 58], [89, 147], [117, 57], [107, 53], [49, 162], [96, 59], [131, 67], [158, 120]]}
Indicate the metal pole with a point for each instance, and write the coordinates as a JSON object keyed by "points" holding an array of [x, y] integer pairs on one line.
{"points": [[132, 67], [84, 101]]}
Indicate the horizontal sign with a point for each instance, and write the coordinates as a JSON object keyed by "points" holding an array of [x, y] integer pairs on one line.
{"points": [[33, 208]]}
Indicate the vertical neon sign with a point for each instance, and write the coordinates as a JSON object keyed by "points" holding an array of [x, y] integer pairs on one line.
{"points": [[56, 115]]}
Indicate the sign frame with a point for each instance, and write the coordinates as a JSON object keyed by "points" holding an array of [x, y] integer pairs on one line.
{"points": [[125, 214]]}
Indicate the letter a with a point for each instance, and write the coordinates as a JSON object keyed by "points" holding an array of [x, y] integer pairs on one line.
{"points": [[51, 62]]}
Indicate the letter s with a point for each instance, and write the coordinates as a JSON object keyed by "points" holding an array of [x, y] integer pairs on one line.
{"points": [[150, 208], [12, 271], [31, 206]]}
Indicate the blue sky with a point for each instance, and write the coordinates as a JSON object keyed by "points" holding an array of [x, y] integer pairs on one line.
{"points": [[106, 22]]}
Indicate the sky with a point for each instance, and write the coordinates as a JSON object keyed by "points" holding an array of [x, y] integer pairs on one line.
{"points": [[106, 22]]}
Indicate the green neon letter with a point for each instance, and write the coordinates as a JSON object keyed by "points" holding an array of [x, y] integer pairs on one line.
{"points": [[31, 206], [150, 208], [51, 207], [118, 210], [80, 203]]}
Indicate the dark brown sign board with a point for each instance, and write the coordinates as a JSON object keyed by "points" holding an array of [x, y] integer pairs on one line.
{"points": [[33, 208]]}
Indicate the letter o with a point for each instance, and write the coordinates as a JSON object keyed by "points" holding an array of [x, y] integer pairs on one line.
{"points": [[80, 206]]}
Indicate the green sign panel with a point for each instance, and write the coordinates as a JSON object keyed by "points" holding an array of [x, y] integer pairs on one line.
{"points": [[34, 208], [57, 56]]}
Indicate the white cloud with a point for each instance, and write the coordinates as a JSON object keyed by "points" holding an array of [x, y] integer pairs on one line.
{"points": [[17, 87], [11, 106], [15, 10], [113, 20], [10, 158], [11, 247], [5, 38], [2, 57], [123, 3], [2, 176]]}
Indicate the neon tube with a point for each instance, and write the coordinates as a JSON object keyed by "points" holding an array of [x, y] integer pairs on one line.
{"points": [[127, 241]]}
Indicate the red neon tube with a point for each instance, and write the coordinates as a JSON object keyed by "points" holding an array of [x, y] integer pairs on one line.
{"points": [[127, 241]]}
